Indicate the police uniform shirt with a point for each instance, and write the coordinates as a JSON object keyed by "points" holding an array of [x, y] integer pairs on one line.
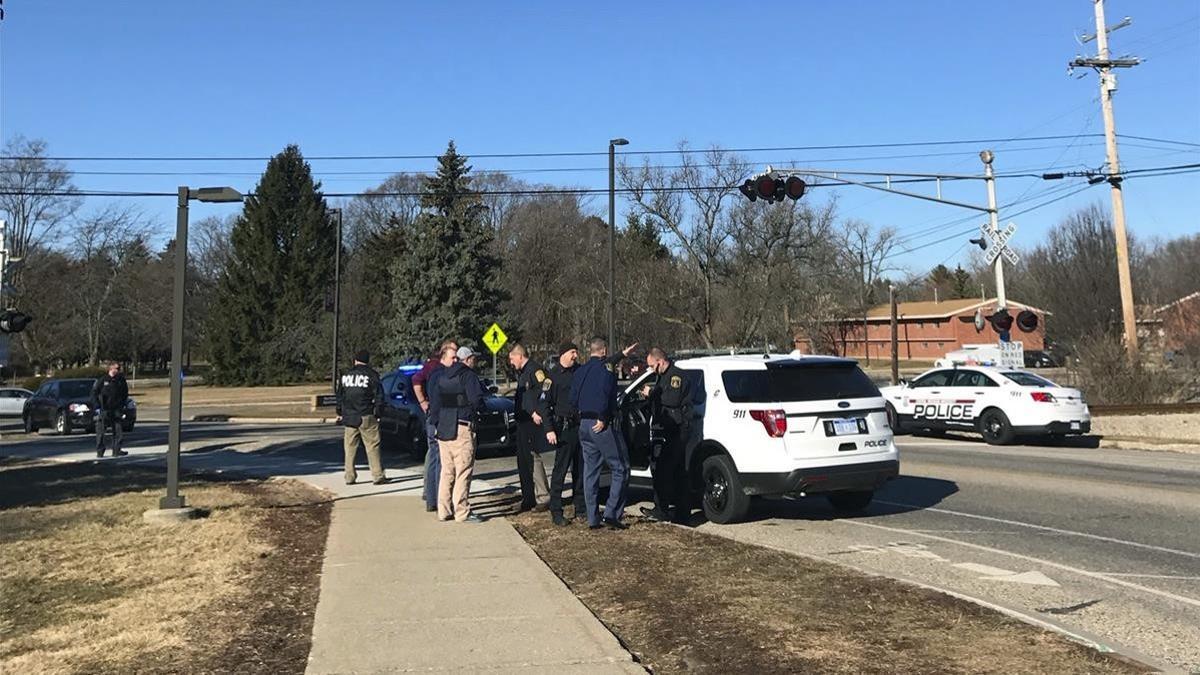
{"points": [[594, 390], [359, 391], [530, 382], [673, 393]]}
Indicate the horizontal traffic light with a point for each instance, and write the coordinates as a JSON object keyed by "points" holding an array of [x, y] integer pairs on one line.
{"points": [[771, 188], [12, 321]]}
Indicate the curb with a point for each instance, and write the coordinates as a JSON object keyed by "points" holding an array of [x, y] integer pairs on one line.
{"points": [[263, 420], [1150, 446]]}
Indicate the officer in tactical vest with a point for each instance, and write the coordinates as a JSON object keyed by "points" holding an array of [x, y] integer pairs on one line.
{"points": [[359, 394], [455, 398], [671, 404]]}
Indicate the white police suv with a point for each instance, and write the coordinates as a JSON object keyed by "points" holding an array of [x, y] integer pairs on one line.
{"points": [[999, 403], [772, 425]]}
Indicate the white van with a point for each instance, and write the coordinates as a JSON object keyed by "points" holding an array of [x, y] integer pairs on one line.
{"points": [[773, 425]]}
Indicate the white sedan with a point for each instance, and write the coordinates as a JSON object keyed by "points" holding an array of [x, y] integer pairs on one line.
{"points": [[12, 401], [999, 403]]}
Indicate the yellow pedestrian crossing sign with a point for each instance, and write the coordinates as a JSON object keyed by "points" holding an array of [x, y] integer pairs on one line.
{"points": [[494, 338]]}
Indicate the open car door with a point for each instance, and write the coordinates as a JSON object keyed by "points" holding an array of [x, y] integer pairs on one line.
{"points": [[636, 423]]}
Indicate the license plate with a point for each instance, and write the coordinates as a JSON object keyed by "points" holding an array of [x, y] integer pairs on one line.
{"points": [[845, 427], [1074, 426]]}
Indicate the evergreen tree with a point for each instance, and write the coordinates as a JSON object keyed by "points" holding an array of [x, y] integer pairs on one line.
{"points": [[267, 324], [964, 286], [446, 275]]}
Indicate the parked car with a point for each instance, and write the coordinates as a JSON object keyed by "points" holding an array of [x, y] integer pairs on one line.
{"points": [[12, 401], [66, 405], [402, 422], [998, 403], [772, 425], [1037, 358]]}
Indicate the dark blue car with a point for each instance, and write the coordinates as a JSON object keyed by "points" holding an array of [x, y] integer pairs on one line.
{"points": [[402, 423]]}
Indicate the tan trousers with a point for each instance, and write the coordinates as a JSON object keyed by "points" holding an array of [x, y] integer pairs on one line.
{"points": [[369, 434], [458, 464]]}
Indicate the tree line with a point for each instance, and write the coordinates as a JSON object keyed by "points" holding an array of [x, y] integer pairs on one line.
{"points": [[445, 254]]}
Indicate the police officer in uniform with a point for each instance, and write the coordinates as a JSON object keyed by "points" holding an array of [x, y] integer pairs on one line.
{"points": [[531, 430], [359, 393], [109, 394], [671, 403], [594, 395]]}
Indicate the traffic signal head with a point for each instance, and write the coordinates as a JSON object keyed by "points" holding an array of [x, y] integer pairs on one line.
{"points": [[12, 321], [1027, 321], [1001, 321], [794, 187], [768, 187], [980, 242]]}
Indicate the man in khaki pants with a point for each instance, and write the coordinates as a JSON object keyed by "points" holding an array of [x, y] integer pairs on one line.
{"points": [[359, 392], [455, 396]]}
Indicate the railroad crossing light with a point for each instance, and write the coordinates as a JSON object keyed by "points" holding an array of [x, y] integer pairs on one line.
{"points": [[980, 242], [769, 188], [12, 321], [747, 189], [1027, 321], [794, 187], [1001, 321]]}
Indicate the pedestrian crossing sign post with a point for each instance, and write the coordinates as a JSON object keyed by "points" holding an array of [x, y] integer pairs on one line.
{"points": [[494, 338]]}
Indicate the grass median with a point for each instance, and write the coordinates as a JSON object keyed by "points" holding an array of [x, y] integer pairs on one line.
{"points": [[686, 602], [89, 588]]}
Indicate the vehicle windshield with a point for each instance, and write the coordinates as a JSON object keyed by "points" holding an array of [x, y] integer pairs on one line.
{"points": [[809, 383], [75, 389], [1028, 379]]}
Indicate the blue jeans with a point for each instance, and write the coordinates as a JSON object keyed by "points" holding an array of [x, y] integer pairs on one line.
{"points": [[608, 447], [433, 465]]}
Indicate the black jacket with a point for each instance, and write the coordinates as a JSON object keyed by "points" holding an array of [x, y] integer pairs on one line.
{"points": [[359, 394], [672, 395], [110, 393], [531, 381]]}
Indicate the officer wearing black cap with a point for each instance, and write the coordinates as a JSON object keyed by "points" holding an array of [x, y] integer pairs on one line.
{"points": [[564, 434], [671, 404], [359, 394]]}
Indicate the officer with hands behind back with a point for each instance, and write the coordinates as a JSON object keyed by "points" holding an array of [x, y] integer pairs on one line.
{"points": [[359, 395]]}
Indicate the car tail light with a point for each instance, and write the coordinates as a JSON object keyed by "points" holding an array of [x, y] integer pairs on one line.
{"points": [[773, 421], [1042, 396]]}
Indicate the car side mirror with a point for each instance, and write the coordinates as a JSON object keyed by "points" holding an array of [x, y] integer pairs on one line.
{"points": [[902, 382]]}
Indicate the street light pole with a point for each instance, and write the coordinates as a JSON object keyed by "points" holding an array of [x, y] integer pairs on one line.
{"points": [[173, 501], [337, 295], [612, 239]]}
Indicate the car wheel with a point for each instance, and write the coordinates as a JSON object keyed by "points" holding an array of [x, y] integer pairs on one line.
{"points": [[416, 438], [724, 501], [62, 424], [894, 421], [995, 427], [30, 427], [850, 501]]}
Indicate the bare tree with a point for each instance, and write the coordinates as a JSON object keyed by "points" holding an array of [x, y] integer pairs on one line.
{"points": [[690, 205], [868, 250], [31, 194]]}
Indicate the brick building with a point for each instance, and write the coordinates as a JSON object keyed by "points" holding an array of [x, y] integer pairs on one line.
{"points": [[927, 330], [1180, 330]]}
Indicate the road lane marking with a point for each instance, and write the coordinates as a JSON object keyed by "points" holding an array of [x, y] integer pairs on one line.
{"points": [[997, 574], [1068, 568], [986, 570], [1056, 530], [1151, 576]]}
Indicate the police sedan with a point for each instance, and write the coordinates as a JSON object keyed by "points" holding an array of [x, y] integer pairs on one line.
{"points": [[999, 403]]}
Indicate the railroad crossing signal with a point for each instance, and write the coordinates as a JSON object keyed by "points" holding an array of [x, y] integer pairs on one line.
{"points": [[494, 338], [999, 243]]}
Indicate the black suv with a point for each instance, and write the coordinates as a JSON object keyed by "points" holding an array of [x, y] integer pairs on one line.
{"points": [[66, 405]]}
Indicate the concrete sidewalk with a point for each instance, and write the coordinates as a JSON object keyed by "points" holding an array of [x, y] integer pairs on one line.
{"points": [[402, 592]]}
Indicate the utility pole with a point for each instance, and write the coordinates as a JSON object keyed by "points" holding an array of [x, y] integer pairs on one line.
{"points": [[895, 336], [862, 270], [1108, 85], [989, 177], [337, 296]]}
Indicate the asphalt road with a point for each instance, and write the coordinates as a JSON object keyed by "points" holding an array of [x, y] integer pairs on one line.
{"points": [[1102, 543]]}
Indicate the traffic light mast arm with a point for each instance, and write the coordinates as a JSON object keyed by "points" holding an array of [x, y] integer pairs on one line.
{"points": [[845, 181]]}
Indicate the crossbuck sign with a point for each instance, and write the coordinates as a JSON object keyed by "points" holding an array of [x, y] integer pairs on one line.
{"points": [[999, 242]]}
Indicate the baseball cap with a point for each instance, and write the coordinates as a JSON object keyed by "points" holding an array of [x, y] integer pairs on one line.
{"points": [[566, 347], [465, 353], [362, 356]]}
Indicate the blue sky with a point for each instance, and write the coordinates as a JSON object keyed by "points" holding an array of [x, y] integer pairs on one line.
{"points": [[226, 78]]}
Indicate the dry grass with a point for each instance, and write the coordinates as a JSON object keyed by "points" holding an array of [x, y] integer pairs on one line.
{"points": [[683, 601], [88, 587], [206, 396]]}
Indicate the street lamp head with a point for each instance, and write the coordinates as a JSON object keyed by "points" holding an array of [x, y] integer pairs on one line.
{"points": [[213, 195], [618, 141], [987, 156]]}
